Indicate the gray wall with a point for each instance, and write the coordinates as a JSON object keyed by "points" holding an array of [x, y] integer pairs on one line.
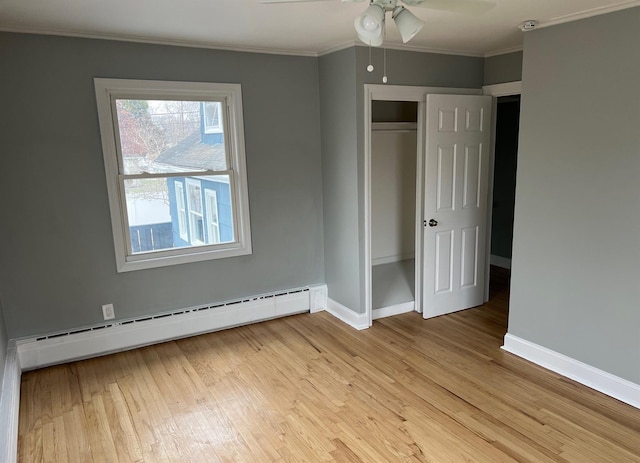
{"points": [[503, 68], [405, 68], [3, 346], [339, 176], [55, 239], [342, 78], [576, 258]]}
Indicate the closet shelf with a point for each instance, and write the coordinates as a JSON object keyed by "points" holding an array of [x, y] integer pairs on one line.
{"points": [[394, 126]]}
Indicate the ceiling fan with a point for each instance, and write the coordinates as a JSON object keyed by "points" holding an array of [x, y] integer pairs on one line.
{"points": [[370, 25]]}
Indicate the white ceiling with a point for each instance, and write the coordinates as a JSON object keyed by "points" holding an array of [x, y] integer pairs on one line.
{"points": [[309, 28]]}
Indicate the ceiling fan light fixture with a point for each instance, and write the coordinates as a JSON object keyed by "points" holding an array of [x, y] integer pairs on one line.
{"points": [[370, 25], [407, 23]]}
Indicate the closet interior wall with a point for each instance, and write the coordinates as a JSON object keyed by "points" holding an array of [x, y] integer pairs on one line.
{"points": [[393, 205]]}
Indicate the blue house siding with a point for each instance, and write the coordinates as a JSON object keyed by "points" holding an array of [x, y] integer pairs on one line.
{"points": [[150, 237], [225, 216]]}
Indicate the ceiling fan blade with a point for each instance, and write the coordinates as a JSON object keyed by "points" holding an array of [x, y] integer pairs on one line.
{"points": [[306, 1], [295, 1], [456, 6]]}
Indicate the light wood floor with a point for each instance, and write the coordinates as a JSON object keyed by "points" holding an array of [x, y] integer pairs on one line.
{"points": [[308, 388]]}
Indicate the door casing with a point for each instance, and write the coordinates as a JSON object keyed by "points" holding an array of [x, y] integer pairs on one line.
{"points": [[399, 93]]}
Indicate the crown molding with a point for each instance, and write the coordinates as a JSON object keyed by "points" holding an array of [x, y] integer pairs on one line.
{"points": [[343, 46], [504, 51], [588, 13], [313, 53], [155, 41], [439, 51]]}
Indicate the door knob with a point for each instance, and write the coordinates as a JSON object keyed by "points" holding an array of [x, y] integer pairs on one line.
{"points": [[433, 223]]}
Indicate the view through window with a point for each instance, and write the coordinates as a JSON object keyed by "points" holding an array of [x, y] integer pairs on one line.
{"points": [[177, 175]]}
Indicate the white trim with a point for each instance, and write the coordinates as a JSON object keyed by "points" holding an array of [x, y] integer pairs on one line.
{"points": [[394, 126], [392, 310], [504, 89], [588, 13], [157, 41], [9, 406], [211, 129], [192, 214], [390, 259], [368, 271], [359, 321], [182, 211], [592, 377], [503, 51], [318, 298], [418, 49], [411, 92], [342, 46], [125, 335], [495, 90], [499, 261], [212, 210], [397, 93], [107, 90], [419, 236]]}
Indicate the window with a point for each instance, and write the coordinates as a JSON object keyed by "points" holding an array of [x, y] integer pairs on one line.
{"points": [[182, 213], [172, 150], [212, 110], [196, 217], [213, 225]]}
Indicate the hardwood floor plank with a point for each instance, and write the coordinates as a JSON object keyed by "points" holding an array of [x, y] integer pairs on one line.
{"points": [[309, 388]]}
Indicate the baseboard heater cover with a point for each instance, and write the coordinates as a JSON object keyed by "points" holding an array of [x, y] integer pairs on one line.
{"points": [[61, 347]]}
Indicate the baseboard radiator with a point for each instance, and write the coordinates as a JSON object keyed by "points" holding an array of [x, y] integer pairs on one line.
{"points": [[93, 341]]}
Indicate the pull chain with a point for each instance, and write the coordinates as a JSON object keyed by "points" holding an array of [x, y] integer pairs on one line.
{"points": [[384, 66], [370, 67]]}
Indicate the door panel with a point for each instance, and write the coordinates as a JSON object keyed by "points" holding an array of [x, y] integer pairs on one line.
{"points": [[444, 261], [455, 204]]}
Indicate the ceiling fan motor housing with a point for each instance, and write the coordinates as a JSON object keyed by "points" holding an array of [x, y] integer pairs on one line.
{"points": [[387, 5]]}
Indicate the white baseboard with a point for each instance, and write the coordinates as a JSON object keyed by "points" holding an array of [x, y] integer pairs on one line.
{"points": [[358, 321], [500, 261], [600, 380], [394, 310], [317, 298], [130, 334], [9, 406]]}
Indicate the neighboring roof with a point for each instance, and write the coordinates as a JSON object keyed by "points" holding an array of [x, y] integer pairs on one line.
{"points": [[192, 153]]}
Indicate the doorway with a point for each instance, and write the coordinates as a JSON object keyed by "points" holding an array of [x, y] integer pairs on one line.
{"points": [[394, 156], [417, 96], [504, 179], [507, 97], [504, 188]]}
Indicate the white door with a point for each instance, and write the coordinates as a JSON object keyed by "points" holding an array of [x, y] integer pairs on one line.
{"points": [[455, 203]]}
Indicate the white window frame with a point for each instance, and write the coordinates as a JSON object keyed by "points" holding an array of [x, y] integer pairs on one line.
{"points": [[107, 92], [212, 128], [211, 205], [194, 214], [182, 211]]}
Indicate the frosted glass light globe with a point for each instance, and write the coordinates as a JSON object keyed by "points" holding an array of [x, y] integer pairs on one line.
{"points": [[369, 23]]}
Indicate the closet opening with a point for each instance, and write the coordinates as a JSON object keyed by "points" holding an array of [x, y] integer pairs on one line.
{"points": [[504, 190], [394, 156]]}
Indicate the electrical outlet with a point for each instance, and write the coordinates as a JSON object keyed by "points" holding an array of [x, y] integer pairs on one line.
{"points": [[108, 312]]}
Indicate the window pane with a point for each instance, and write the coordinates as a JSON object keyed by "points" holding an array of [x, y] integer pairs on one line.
{"points": [[149, 216], [212, 119], [171, 136], [160, 218], [218, 211]]}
